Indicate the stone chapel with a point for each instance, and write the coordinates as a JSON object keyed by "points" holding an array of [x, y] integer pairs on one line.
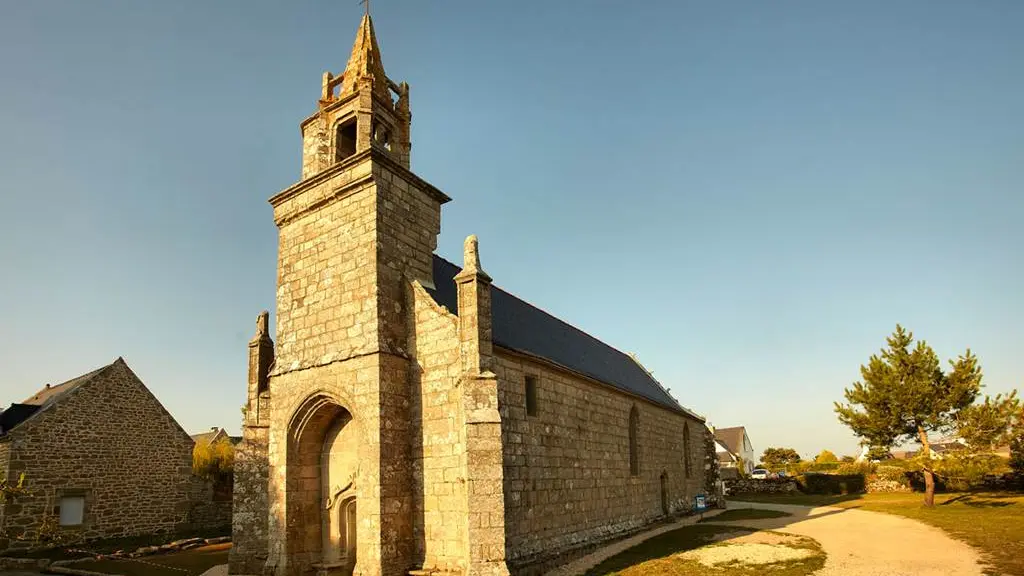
{"points": [[413, 418]]}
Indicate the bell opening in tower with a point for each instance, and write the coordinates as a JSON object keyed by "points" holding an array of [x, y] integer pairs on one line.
{"points": [[346, 139]]}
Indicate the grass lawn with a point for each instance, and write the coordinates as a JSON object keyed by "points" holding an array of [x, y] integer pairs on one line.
{"points": [[189, 562], [659, 556], [991, 522]]}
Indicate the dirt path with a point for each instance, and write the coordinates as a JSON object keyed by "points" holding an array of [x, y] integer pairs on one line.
{"points": [[860, 543]]}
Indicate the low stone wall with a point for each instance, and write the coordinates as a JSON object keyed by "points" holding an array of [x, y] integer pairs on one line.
{"points": [[209, 507], [875, 485], [766, 486]]}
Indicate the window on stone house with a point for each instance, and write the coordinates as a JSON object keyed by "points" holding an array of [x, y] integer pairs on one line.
{"points": [[686, 449], [634, 457], [531, 395], [72, 510], [345, 140]]}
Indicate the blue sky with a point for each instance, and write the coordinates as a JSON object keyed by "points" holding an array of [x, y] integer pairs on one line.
{"points": [[749, 195]]}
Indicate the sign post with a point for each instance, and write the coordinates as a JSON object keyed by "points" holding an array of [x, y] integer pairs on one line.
{"points": [[700, 503]]}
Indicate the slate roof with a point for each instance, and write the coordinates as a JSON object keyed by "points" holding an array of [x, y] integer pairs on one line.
{"points": [[522, 327], [207, 437], [732, 438], [215, 433], [15, 415], [49, 394]]}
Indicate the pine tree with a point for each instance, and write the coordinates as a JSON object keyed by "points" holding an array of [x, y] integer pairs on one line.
{"points": [[904, 395], [990, 424], [1017, 453]]}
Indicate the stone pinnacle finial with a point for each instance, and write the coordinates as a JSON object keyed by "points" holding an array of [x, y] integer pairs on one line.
{"points": [[471, 253], [471, 259], [365, 61], [262, 324]]}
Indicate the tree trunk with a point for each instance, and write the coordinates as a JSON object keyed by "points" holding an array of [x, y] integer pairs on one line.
{"points": [[929, 478], [929, 488]]}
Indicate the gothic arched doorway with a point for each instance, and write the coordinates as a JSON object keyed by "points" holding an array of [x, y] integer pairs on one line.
{"points": [[323, 473]]}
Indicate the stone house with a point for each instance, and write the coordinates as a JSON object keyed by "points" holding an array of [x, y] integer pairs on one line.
{"points": [[215, 434], [738, 449], [413, 418], [101, 456]]}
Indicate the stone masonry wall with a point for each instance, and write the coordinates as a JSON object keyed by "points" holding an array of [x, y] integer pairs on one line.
{"points": [[111, 441], [5, 454], [439, 490], [350, 238], [567, 469], [249, 514], [384, 530], [326, 298], [207, 513], [408, 222], [756, 486]]}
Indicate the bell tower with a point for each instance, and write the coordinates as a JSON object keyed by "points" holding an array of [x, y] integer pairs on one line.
{"points": [[361, 108], [354, 232]]}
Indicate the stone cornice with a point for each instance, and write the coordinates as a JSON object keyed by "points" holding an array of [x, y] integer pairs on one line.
{"points": [[335, 358], [419, 183], [327, 107], [319, 178], [373, 155]]}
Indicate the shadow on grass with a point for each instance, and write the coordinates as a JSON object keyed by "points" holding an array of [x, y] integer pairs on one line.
{"points": [[661, 546], [745, 514], [660, 555], [757, 517], [799, 499]]}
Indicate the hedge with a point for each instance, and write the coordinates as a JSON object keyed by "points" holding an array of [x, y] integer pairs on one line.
{"points": [[812, 483]]}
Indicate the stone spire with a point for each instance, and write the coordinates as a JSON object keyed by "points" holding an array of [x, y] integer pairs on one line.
{"points": [[365, 62]]}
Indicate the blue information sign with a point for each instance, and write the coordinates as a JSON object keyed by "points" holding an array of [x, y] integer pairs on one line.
{"points": [[700, 502]]}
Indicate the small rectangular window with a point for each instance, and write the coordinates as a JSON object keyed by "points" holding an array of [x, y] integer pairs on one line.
{"points": [[531, 395], [72, 510]]}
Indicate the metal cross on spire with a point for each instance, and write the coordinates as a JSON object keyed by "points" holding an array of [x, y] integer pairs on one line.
{"points": [[367, 4]]}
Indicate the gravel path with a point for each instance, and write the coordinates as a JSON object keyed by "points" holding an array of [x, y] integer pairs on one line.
{"points": [[861, 543]]}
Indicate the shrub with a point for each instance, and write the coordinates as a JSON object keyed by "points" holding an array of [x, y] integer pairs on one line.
{"points": [[821, 466], [965, 471], [833, 483], [848, 468], [214, 461], [826, 456], [892, 474], [916, 478]]}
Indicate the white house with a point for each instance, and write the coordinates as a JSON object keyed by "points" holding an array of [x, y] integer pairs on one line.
{"points": [[733, 445]]}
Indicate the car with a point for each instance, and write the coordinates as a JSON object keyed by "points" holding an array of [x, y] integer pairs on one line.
{"points": [[759, 474]]}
